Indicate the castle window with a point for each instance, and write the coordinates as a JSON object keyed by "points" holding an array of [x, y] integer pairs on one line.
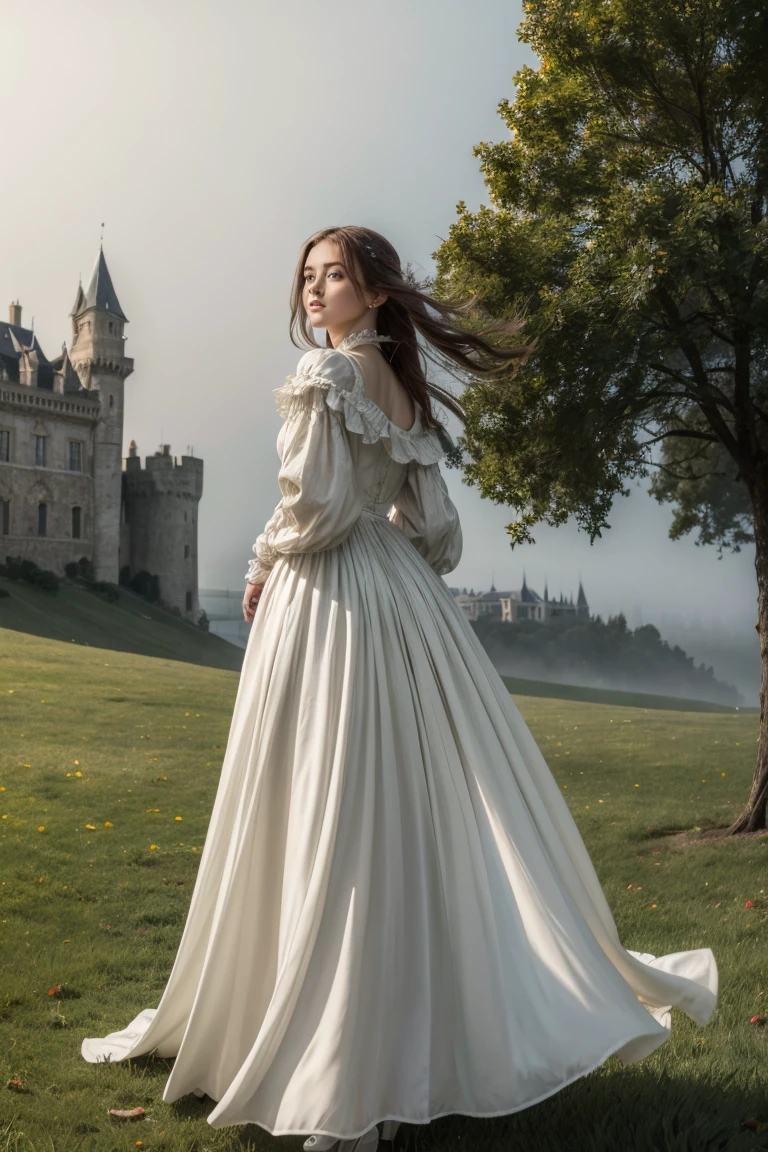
{"points": [[75, 456], [76, 522], [110, 325], [42, 519], [40, 451], [186, 551], [5, 517], [5, 446], [189, 601]]}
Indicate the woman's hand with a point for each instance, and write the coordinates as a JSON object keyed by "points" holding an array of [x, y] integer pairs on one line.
{"points": [[251, 600]]}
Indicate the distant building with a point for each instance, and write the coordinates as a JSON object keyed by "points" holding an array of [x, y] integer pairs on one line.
{"points": [[63, 491], [525, 604]]}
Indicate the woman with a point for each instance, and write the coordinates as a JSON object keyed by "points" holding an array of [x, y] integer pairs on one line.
{"points": [[394, 917]]}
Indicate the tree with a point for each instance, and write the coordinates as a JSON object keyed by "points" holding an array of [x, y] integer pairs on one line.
{"points": [[628, 223]]}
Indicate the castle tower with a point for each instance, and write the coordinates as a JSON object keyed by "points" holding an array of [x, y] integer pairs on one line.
{"points": [[97, 355], [160, 502]]}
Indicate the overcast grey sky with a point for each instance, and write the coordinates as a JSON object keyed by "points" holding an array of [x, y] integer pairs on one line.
{"points": [[213, 138]]}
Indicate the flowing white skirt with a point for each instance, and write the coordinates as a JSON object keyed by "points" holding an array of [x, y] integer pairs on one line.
{"points": [[395, 915]]}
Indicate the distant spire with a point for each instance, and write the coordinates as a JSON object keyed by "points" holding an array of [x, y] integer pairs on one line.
{"points": [[101, 293], [546, 593], [582, 600]]}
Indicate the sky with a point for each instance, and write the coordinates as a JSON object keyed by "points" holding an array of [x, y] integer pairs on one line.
{"points": [[211, 139]]}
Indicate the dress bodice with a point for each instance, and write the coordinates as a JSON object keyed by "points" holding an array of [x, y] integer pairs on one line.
{"points": [[342, 459], [382, 451]]}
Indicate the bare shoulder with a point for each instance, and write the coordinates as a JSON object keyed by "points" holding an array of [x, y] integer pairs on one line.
{"points": [[383, 386]]}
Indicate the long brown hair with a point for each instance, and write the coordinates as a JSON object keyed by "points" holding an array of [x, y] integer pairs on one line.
{"points": [[408, 309]]}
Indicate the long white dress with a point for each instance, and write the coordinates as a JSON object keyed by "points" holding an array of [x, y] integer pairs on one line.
{"points": [[395, 916]]}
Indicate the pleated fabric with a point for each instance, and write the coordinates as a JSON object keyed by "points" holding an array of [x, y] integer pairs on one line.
{"points": [[395, 916]]}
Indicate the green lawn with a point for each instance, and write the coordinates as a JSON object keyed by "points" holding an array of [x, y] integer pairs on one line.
{"points": [[96, 737]]}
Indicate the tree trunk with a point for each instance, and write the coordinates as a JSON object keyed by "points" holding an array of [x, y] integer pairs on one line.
{"points": [[754, 818]]}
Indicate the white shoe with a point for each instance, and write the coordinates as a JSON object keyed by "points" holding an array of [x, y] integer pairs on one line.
{"points": [[368, 1142]]}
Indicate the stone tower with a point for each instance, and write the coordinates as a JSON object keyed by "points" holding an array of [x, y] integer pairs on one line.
{"points": [[160, 530], [97, 355]]}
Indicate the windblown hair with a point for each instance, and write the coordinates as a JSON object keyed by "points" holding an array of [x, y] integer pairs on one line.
{"points": [[408, 310]]}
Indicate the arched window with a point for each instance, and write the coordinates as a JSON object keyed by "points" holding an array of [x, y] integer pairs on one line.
{"points": [[189, 601], [5, 517], [42, 519], [77, 522]]}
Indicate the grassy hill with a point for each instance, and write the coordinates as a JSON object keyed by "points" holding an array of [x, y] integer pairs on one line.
{"points": [[77, 616], [519, 686], [109, 765], [132, 625]]}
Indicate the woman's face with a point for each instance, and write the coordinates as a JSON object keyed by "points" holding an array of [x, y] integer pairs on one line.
{"points": [[330, 297]]}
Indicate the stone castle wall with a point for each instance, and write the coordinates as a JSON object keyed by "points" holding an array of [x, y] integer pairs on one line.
{"points": [[160, 504], [27, 414]]}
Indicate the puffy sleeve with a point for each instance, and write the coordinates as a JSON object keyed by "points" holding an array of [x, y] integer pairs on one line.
{"points": [[428, 516], [320, 499]]}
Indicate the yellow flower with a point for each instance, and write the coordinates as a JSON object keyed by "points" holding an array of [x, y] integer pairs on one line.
{"points": [[722, 773], [91, 827], [76, 763], [2, 787], [78, 773], [108, 824], [41, 828], [654, 905], [178, 817], [152, 847]]}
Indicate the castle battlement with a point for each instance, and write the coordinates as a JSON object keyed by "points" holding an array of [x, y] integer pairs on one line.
{"points": [[162, 474]]}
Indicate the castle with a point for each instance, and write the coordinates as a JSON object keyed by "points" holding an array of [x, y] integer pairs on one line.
{"points": [[525, 604], [65, 491]]}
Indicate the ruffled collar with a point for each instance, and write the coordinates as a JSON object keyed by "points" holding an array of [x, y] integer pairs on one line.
{"points": [[360, 413], [364, 336]]}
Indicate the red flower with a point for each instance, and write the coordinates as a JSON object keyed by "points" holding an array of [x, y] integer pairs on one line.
{"points": [[758, 1020], [749, 904]]}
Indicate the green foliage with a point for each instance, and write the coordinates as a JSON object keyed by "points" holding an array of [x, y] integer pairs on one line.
{"points": [[146, 585], [628, 223], [601, 653], [17, 568]]}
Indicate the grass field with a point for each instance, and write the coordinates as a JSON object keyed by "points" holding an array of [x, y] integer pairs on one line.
{"points": [[77, 616], [104, 754]]}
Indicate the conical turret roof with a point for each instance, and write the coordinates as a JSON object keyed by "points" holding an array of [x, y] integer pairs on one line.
{"points": [[101, 293]]}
